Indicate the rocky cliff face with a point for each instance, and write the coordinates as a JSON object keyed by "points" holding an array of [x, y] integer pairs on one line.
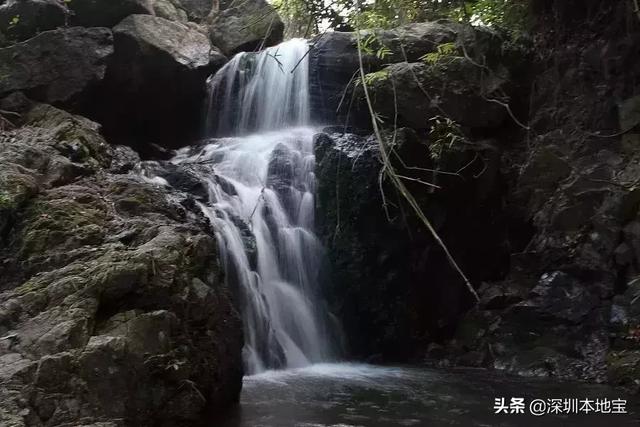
{"points": [[113, 307], [112, 304], [565, 307], [544, 224], [391, 285]]}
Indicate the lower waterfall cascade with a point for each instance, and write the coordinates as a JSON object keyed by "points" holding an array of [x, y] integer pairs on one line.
{"points": [[261, 185]]}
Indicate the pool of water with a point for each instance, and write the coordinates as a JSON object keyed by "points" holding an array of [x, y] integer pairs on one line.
{"points": [[350, 395]]}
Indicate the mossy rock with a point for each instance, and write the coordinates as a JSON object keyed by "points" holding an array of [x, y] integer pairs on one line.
{"points": [[62, 223], [77, 138], [623, 368]]}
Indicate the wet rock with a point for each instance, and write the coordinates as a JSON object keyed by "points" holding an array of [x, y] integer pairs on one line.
{"points": [[124, 159], [156, 80], [23, 19], [245, 27], [374, 258], [499, 295], [629, 113], [281, 175], [65, 65], [183, 177], [558, 295], [632, 235]]}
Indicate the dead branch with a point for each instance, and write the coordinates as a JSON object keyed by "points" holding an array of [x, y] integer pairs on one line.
{"points": [[397, 181]]}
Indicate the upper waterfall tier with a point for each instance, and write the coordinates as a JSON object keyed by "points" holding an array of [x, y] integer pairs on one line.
{"points": [[261, 91]]}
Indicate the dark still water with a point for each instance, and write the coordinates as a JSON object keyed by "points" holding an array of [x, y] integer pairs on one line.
{"points": [[350, 395]]}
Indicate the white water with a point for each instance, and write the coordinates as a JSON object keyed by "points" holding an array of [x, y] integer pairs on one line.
{"points": [[262, 204], [261, 92]]}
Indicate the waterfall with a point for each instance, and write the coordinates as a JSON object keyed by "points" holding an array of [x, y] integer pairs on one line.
{"points": [[261, 203], [261, 91]]}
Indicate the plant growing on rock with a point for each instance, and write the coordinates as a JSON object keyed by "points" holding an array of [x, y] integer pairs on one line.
{"points": [[445, 51], [371, 45], [444, 134]]}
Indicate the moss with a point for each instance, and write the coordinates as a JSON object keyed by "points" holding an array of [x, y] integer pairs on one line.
{"points": [[6, 201], [30, 286], [623, 368], [61, 223], [77, 138]]}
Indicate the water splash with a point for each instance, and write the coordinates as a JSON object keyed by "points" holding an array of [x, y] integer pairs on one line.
{"points": [[261, 204]]}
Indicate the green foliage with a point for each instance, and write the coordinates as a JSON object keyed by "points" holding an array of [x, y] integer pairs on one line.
{"points": [[443, 135], [5, 200], [510, 15], [372, 78], [443, 52], [14, 21], [372, 46], [312, 16]]}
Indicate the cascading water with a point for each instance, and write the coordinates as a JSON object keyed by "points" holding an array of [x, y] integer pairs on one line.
{"points": [[261, 205], [261, 92]]}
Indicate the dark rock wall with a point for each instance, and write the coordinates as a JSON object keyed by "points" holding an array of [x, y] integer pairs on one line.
{"points": [[388, 281], [550, 242], [575, 176]]}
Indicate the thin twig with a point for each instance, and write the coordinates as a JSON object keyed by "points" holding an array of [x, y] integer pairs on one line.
{"points": [[428, 184], [508, 108]]}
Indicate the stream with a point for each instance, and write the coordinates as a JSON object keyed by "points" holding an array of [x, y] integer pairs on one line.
{"points": [[355, 395]]}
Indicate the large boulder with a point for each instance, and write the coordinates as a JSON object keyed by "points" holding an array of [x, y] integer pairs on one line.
{"points": [[156, 81], [99, 13], [22, 19], [390, 284], [455, 88], [113, 308], [246, 27], [61, 66], [335, 63]]}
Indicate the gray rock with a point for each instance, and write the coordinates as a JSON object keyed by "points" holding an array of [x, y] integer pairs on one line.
{"points": [[377, 248], [61, 66], [246, 27], [23, 19], [167, 9], [197, 10], [629, 112], [454, 89], [151, 37], [113, 311], [99, 13], [156, 80], [334, 59]]}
